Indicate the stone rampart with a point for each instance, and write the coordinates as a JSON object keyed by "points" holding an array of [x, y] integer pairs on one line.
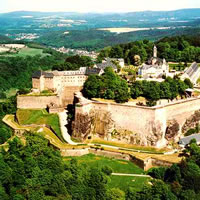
{"points": [[146, 125], [36, 102], [144, 164], [74, 152], [109, 154]]}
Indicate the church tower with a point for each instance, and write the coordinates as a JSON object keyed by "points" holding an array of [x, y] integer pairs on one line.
{"points": [[155, 51]]}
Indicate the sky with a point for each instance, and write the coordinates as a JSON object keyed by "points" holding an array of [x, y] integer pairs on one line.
{"points": [[96, 5]]}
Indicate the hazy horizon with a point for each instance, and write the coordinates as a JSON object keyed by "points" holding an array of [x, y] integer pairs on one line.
{"points": [[92, 6]]}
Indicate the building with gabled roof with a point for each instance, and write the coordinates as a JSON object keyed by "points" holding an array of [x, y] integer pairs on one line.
{"points": [[193, 73], [106, 63], [155, 67], [186, 140], [57, 80]]}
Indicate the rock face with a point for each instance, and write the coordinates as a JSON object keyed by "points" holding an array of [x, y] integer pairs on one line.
{"points": [[82, 126], [101, 124], [172, 130], [191, 122], [139, 125]]}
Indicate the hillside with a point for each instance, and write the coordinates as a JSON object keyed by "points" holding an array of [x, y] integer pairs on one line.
{"points": [[4, 39], [82, 30], [182, 48]]}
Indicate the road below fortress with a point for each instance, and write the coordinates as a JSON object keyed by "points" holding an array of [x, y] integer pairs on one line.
{"points": [[63, 123]]}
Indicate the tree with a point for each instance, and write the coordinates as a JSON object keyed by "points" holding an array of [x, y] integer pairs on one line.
{"points": [[121, 92], [165, 90], [92, 86], [188, 83], [136, 89], [131, 194], [158, 173], [116, 52], [107, 86], [115, 194]]}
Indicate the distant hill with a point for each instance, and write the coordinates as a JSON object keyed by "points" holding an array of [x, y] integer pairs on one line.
{"points": [[81, 30], [182, 13], [4, 39]]}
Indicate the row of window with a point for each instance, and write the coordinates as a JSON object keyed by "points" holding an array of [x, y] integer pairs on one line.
{"points": [[72, 77]]}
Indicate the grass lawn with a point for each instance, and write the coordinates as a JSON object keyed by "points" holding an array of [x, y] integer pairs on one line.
{"points": [[129, 146], [118, 166], [124, 182], [39, 117], [47, 133], [11, 92], [28, 52]]}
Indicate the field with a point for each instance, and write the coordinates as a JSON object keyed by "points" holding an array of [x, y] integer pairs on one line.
{"points": [[118, 166], [30, 52], [124, 182], [27, 52], [127, 30], [123, 30], [39, 117]]}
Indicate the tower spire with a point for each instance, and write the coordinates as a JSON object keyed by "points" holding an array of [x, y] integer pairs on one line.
{"points": [[155, 51]]}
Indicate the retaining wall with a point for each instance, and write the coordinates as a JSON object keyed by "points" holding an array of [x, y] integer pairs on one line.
{"points": [[34, 102], [149, 123]]}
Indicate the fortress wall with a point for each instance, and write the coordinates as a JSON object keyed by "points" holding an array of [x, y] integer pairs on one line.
{"points": [[182, 110], [136, 119], [28, 102], [74, 152], [147, 124], [139, 119], [68, 94]]}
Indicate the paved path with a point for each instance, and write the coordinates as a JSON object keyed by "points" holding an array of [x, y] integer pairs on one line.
{"points": [[63, 123], [135, 175]]}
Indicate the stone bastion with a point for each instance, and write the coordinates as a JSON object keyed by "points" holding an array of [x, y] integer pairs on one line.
{"points": [[149, 126]]}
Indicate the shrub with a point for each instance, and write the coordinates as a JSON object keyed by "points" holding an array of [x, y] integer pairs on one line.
{"points": [[151, 103], [190, 132], [158, 173], [2, 95], [23, 91], [107, 170]]}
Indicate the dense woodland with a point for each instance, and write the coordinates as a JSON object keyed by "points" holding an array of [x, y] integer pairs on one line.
{"points": [[93, 39], [6, 107], [36, 171], [176, 49], [16, 72]]}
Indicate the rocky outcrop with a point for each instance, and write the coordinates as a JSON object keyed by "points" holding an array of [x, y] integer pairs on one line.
{"points": [[82, 126], [172, 130], [191, 122]]}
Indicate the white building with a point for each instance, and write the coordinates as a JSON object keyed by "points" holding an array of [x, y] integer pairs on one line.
{"points": [[155, 67]]}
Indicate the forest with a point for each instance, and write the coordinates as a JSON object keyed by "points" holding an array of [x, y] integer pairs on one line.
{"points": [[16, 72], [175, 49], [35, 171]]}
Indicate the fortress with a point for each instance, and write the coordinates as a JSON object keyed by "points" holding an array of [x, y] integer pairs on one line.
{"points": [[132, 124], [62, 84]]}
